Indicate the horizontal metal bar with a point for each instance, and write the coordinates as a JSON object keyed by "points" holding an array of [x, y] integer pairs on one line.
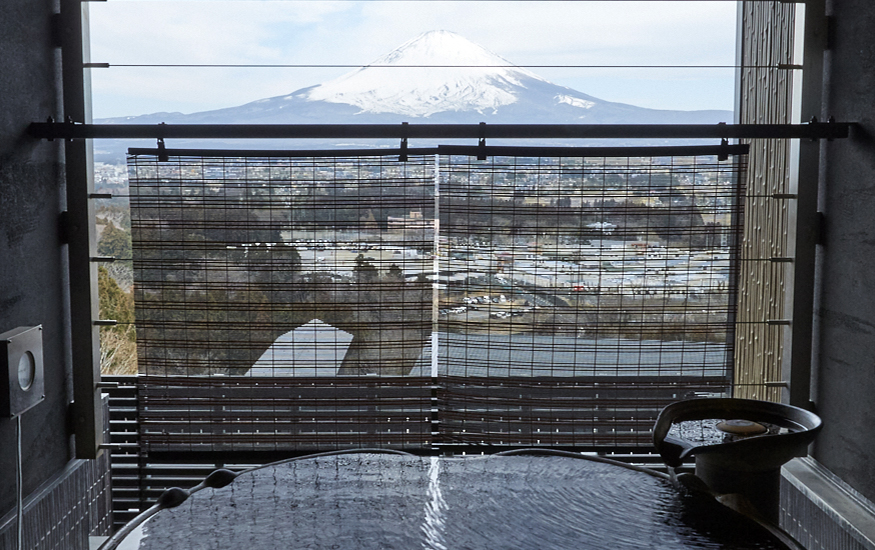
{"points": [[240, 153], [690, 151], [684, 151], [67, 130]]}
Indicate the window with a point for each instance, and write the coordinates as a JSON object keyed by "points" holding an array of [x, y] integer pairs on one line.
{"points": [[460, 245], [435, 301]]}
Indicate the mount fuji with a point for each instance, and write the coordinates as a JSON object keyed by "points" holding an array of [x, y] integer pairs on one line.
{"points": [[437, 77]]}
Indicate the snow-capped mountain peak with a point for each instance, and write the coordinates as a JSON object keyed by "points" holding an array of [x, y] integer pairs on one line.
{"points": [[435, 72]]}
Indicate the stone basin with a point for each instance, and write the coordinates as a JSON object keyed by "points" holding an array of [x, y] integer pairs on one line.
{"points": [[741, 456]]}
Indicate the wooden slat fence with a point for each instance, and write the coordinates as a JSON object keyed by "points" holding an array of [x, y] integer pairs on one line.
{"points": [[284, 414], [587, 412]]}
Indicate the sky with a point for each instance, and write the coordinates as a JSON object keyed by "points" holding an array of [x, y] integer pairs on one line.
{"points": [[348, 32]]}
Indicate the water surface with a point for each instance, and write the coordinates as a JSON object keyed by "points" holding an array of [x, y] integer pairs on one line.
{"points": [[359, 502]]}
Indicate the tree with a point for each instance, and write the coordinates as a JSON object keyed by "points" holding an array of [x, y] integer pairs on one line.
{"points": [[118, 353], [118, 348], [295, 260], [395, 273], [114, 303], [364, 270], [114, 242]]}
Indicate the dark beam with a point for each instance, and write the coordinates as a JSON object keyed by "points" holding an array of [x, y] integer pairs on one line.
{"points": [[84, 335], [816, 130], [470, 150], [803, 220]]}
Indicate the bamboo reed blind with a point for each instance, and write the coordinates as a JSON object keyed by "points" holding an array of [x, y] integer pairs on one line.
{"points": [[328, 302]]}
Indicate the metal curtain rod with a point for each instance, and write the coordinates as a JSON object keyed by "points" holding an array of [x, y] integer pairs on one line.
{"points": [[69, 130], [278, 153], [723, 151]]}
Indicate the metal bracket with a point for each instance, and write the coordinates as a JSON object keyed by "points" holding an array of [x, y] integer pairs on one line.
{"points": [[831, 120], [402, 157], [50, 120], [723, 154], [56, 30], [67, 227], [162, 151], [68, 123], [813, 120]]}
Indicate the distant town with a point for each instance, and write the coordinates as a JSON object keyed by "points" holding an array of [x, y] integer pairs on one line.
{"points": [[609, 248]]}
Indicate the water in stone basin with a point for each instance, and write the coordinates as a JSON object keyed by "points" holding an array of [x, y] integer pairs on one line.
{"points": [[403, 502], [706, 432]]}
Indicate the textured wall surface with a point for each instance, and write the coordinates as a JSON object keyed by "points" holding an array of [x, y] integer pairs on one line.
{"points": [[765, 96], [65, 500], [845, 368], [31, 255], [65, 510], [821, 511]]}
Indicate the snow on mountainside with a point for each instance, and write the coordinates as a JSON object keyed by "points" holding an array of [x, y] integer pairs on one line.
{"points": [[428, 85]]}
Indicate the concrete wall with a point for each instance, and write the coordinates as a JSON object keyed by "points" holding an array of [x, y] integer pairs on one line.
{"points": [[33, 276], [844, 380], [32, 258]]}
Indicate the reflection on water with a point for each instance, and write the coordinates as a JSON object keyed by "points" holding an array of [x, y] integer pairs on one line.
{"points": [[398, 502], [433, 526]]}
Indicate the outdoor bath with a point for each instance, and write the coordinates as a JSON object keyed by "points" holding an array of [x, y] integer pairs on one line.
{"points": [[533, 498]]}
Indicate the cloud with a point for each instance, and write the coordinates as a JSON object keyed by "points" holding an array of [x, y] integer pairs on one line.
{"points": [[349, 32], [200, 32], [577, 32]]}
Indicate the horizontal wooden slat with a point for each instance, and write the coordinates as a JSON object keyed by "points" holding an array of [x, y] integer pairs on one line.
{"points": [[281, 394], [154, 382], [283, 413]]}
